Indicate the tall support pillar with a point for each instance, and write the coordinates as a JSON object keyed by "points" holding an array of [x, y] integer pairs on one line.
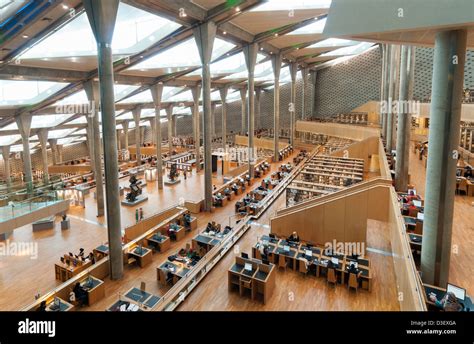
{"points": [[156, 93], [43, 139], [386, 92], [223, 94], [92, 90], [53, 144], [304, 77], [313, 75], [23, 122], [213, 120], [137, 112], [243, 98], [196, 91], [90, 143], [293, 70], [443, 143], [258, 115], [153, 130], [169, 115], [404, 117], [102, 16], [204, 35], [383, 49], [125, 134], [119, 142], [250, 53], [6, 162], [391, 93], [276, 63]]}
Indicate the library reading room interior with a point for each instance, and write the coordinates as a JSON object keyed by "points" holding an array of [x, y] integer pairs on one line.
{"points": [[236, 155]]}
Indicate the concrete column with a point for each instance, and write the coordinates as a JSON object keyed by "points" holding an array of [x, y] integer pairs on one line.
{"points": [[102, 16], [43, 139], [174, 121], [153, 130], [223, 94], [90, 143], [169, 115], [156, 93], [387, 99], [443, 143], [313, 74], [136, 113], [6, 161], [53, 144], [382, 80], [204, 35], [60, 153], [304, 76], [119, 143], [91, 88], [258, 114], [142, 135], [243, 98], [293, 69], [250, 53], [391, 93], [196, 91], [465, 143], [213, 120], [276, 63], [23, 122], [125, 132], [404, 118]]}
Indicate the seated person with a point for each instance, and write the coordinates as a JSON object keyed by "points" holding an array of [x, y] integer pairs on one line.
{"points": [[294, 238], [449, 303], [187, 220], [263, 249], [81, 252], [234, 187], [227, 192], [80, 294], [468, 172], [42, 307], [354, 270]]}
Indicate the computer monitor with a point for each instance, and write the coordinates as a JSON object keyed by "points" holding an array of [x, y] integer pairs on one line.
{"points": [[265, 261], [417, 203], [420, 216], [272, 236], [460, 293], [57, 302], [412, 191], [308, 253], [245, 255], [286, 248], [335, 260], [248, 267]]}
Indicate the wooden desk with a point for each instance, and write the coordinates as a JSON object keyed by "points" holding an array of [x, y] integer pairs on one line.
{"points": [[143, 255], [63, 271], [95, 289], [142, 297], [159, 242], [177, 269], [440, 292], [179, 233], [260, 280], [205, 241], [64, 306]]}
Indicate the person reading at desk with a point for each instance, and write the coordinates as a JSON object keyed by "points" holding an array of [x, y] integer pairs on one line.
{"points": [[468, 172], [187, 220], [81, 294], [449, 302], [294, 238], [263, 249]]}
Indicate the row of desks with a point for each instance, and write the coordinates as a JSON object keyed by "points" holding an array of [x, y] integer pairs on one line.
{"points": [[296, 255]]}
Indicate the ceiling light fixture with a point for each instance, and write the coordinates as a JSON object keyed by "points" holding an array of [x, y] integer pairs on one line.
{"points": [[65, 7], [225, 32], [237, 9]]}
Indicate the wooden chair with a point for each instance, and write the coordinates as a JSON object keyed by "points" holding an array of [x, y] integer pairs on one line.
{"points": [[303, 267], [142, 287], [282, 262], [462, 186], [245, 283], [131, 261], [331, 277], [353, 281]]}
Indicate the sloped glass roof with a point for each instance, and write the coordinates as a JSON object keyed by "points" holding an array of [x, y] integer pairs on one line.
{"points": [[231, 64], [135, 31], [333, 42], [8, 8], [48, 121], [185, 54], [285, 5], [261, 70], [145, 96], [120, 91], [19, 148], [312, 28], [26, 92], [352, 50], [60, 133], [79, 120], [9, 139], [80, 132]]}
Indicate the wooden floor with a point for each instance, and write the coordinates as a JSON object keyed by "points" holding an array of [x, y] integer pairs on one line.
{"points": [[461, 270], [21, 277]]}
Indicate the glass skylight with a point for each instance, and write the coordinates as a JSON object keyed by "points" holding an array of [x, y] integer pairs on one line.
{"points": [[312, 28], [8, 9], [145, 96], [79, 120], [80, 132], [19, 148], [48, 121], [185, 54], [285, 5], [66, 140], [262, 70], [11, 126], [333, 42], [23, 92], [231, 64], [352, 50], [135, 31], [120, 91], [9, 139], [60, 133]]}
